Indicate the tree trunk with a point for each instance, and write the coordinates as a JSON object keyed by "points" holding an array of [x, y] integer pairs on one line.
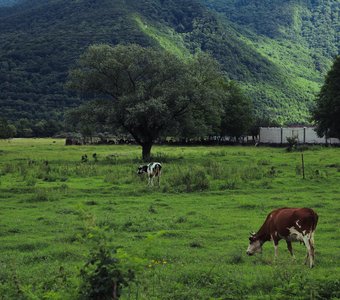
{"points": [[146, 151]]}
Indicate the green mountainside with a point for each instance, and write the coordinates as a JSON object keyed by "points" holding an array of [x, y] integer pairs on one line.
{"points": [[278, 50]]}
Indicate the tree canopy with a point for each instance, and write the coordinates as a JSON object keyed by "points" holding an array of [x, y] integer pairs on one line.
{"points": [[7, 130], [327, 111], [237, 115], [149, 93]]}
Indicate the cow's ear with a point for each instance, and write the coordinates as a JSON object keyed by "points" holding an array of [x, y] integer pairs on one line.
{"points": [[145, 168]]}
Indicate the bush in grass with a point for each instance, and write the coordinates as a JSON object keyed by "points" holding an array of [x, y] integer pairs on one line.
{"points": [[31, 181], [111, 159], [252, 173], [39, 196], [189, 180], [328, 289], [298, 169], [263, 162], [214, 169], [110, 178], [107, 270], [292, 143], [103, 275], [236, 257], [86, 170], [230, 288], [43, 195], [317, 174], [161, 157], [231, 184], [8, 168]]}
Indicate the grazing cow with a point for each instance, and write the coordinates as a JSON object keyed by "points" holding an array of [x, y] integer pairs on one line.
{"points": [[152, 170], [290, 224]]}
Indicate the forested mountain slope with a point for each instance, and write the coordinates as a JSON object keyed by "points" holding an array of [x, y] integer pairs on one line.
{"points": [[279, 51], [300, 37]]}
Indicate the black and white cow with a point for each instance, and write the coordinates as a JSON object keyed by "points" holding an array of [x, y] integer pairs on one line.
{"points": [[152, 170]]}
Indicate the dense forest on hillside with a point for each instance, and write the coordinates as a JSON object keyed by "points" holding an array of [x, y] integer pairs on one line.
{"points": [[314, 23], [279, 51]]}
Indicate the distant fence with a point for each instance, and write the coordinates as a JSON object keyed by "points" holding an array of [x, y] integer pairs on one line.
{"points": [[304, 135]]}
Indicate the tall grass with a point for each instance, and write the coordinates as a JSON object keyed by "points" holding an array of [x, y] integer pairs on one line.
{"points": [[187, 238]]}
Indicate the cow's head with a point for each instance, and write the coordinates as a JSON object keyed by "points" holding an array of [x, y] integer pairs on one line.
{"points": [[142, 169], [255, 244]]}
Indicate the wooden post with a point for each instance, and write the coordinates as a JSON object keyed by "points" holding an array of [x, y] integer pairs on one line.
{"points": [[303, 166]]}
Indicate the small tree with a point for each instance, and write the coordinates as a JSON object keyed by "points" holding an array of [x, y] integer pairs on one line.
{"points": [[7, 130], [327, 111], [104, 276], [148, 92], [237, 116]]}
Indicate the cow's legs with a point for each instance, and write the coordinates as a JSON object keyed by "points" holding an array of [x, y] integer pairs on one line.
{"points": [[290, 248], [312, 246], [276, 248], [159, 180], [310, 250]]}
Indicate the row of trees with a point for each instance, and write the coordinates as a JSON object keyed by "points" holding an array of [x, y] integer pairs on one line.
{"points": [[29, 128], [150, 94]]}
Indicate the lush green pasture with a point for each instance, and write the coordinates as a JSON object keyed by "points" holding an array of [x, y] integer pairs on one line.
{"points": [[185, 240]]}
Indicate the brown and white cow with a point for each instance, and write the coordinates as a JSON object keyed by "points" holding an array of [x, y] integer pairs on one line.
{"points": [[290, 224], [152, 170]]}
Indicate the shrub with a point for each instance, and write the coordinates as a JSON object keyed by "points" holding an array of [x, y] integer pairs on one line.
{"points": [[31, 181], [42, 195], [7, 168], [192, 180], [214, 169], [236, 258], [252, 173], [292, 143], [39, 196], [161, 157], [103, 275], [230, 185], [196, 244], [263, 162], [328, 289]]}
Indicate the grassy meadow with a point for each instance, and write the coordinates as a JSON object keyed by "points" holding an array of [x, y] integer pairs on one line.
{"points": [[184, 240]]}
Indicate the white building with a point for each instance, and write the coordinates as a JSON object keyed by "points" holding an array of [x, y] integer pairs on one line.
{"points": [[305, 135]]}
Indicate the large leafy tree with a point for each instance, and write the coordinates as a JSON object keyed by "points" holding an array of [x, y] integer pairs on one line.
{"points": [[149, 93], [327, 111]]}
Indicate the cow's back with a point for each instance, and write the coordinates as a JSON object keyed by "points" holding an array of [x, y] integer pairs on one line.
{"points": [[302, 219]]}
